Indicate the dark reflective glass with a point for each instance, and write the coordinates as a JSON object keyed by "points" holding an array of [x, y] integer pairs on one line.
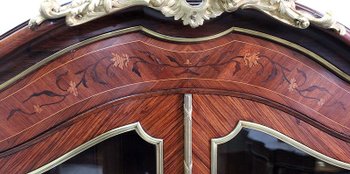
{"points": [[127, 153], [254, 152]]}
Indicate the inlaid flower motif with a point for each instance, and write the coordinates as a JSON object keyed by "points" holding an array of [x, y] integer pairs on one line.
{"points": [[321, 102], [293, 85], [251, 59], [37, 109], [72, 89], [120, 61]]}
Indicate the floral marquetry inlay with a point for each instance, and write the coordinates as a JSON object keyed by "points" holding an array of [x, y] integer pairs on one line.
{"points": [[251, 59], [116, 69], [241, 62], [73, 88], [81, 11], [120, 61], [292, 85], [37, 109]]}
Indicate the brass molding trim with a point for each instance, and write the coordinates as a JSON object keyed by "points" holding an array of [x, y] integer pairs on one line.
{"points": [[245, 124], [127, 128], [297, 47], [188, 133]]}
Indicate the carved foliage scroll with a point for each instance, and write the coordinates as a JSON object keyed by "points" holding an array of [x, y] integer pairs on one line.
{"points": [[81, 11]]}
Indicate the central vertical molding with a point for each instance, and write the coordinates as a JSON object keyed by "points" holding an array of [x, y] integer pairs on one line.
{"points": [[188, 133]]}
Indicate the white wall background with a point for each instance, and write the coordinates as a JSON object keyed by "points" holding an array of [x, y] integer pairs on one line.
{"points": [[15, 12]]}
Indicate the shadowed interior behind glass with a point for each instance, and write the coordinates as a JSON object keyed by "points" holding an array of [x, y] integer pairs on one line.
{"points": [[123, 154], [254, 152]]}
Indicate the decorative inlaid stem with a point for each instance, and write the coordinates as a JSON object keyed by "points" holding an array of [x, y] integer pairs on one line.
{"points": [[188, 133]]}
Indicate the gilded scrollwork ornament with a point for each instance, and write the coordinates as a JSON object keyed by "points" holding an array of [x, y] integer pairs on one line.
{"points": [[81, 11]]}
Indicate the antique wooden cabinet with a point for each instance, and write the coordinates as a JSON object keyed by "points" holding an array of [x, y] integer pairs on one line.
{"points": [[116, 87]]}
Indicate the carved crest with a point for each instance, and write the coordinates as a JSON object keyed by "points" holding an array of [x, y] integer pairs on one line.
{"points": [[81, 11]]}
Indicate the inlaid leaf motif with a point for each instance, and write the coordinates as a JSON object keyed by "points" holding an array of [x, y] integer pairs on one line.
{"points": [[17, 110], [135, 69], [45, 93], [273, 73], [83, 78], [172, 59], [313, 88], [95, 76], [237, 68]]}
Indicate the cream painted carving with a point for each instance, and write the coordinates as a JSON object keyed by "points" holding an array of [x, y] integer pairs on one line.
{"points": [[82, 11]]}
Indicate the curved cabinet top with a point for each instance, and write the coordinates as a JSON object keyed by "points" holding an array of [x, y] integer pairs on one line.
{"points": [[55, 72], [135, 64], [23, 48]]}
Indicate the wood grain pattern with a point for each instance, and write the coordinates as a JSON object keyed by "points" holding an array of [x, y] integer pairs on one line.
{"points": [[17, 38], [133, 64], [213, 116], [216, 116], [161, 117]]}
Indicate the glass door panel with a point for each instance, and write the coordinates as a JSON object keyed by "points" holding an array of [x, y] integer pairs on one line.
{"points": [[127, 153], [255, 152]]}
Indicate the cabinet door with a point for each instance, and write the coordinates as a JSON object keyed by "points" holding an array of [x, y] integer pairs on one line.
{"points": [[234, 135], [139, 135]]}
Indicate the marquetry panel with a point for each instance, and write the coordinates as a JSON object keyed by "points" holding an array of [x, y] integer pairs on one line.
{"points": [[216, 116], [134, 63], [160, 116]]}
